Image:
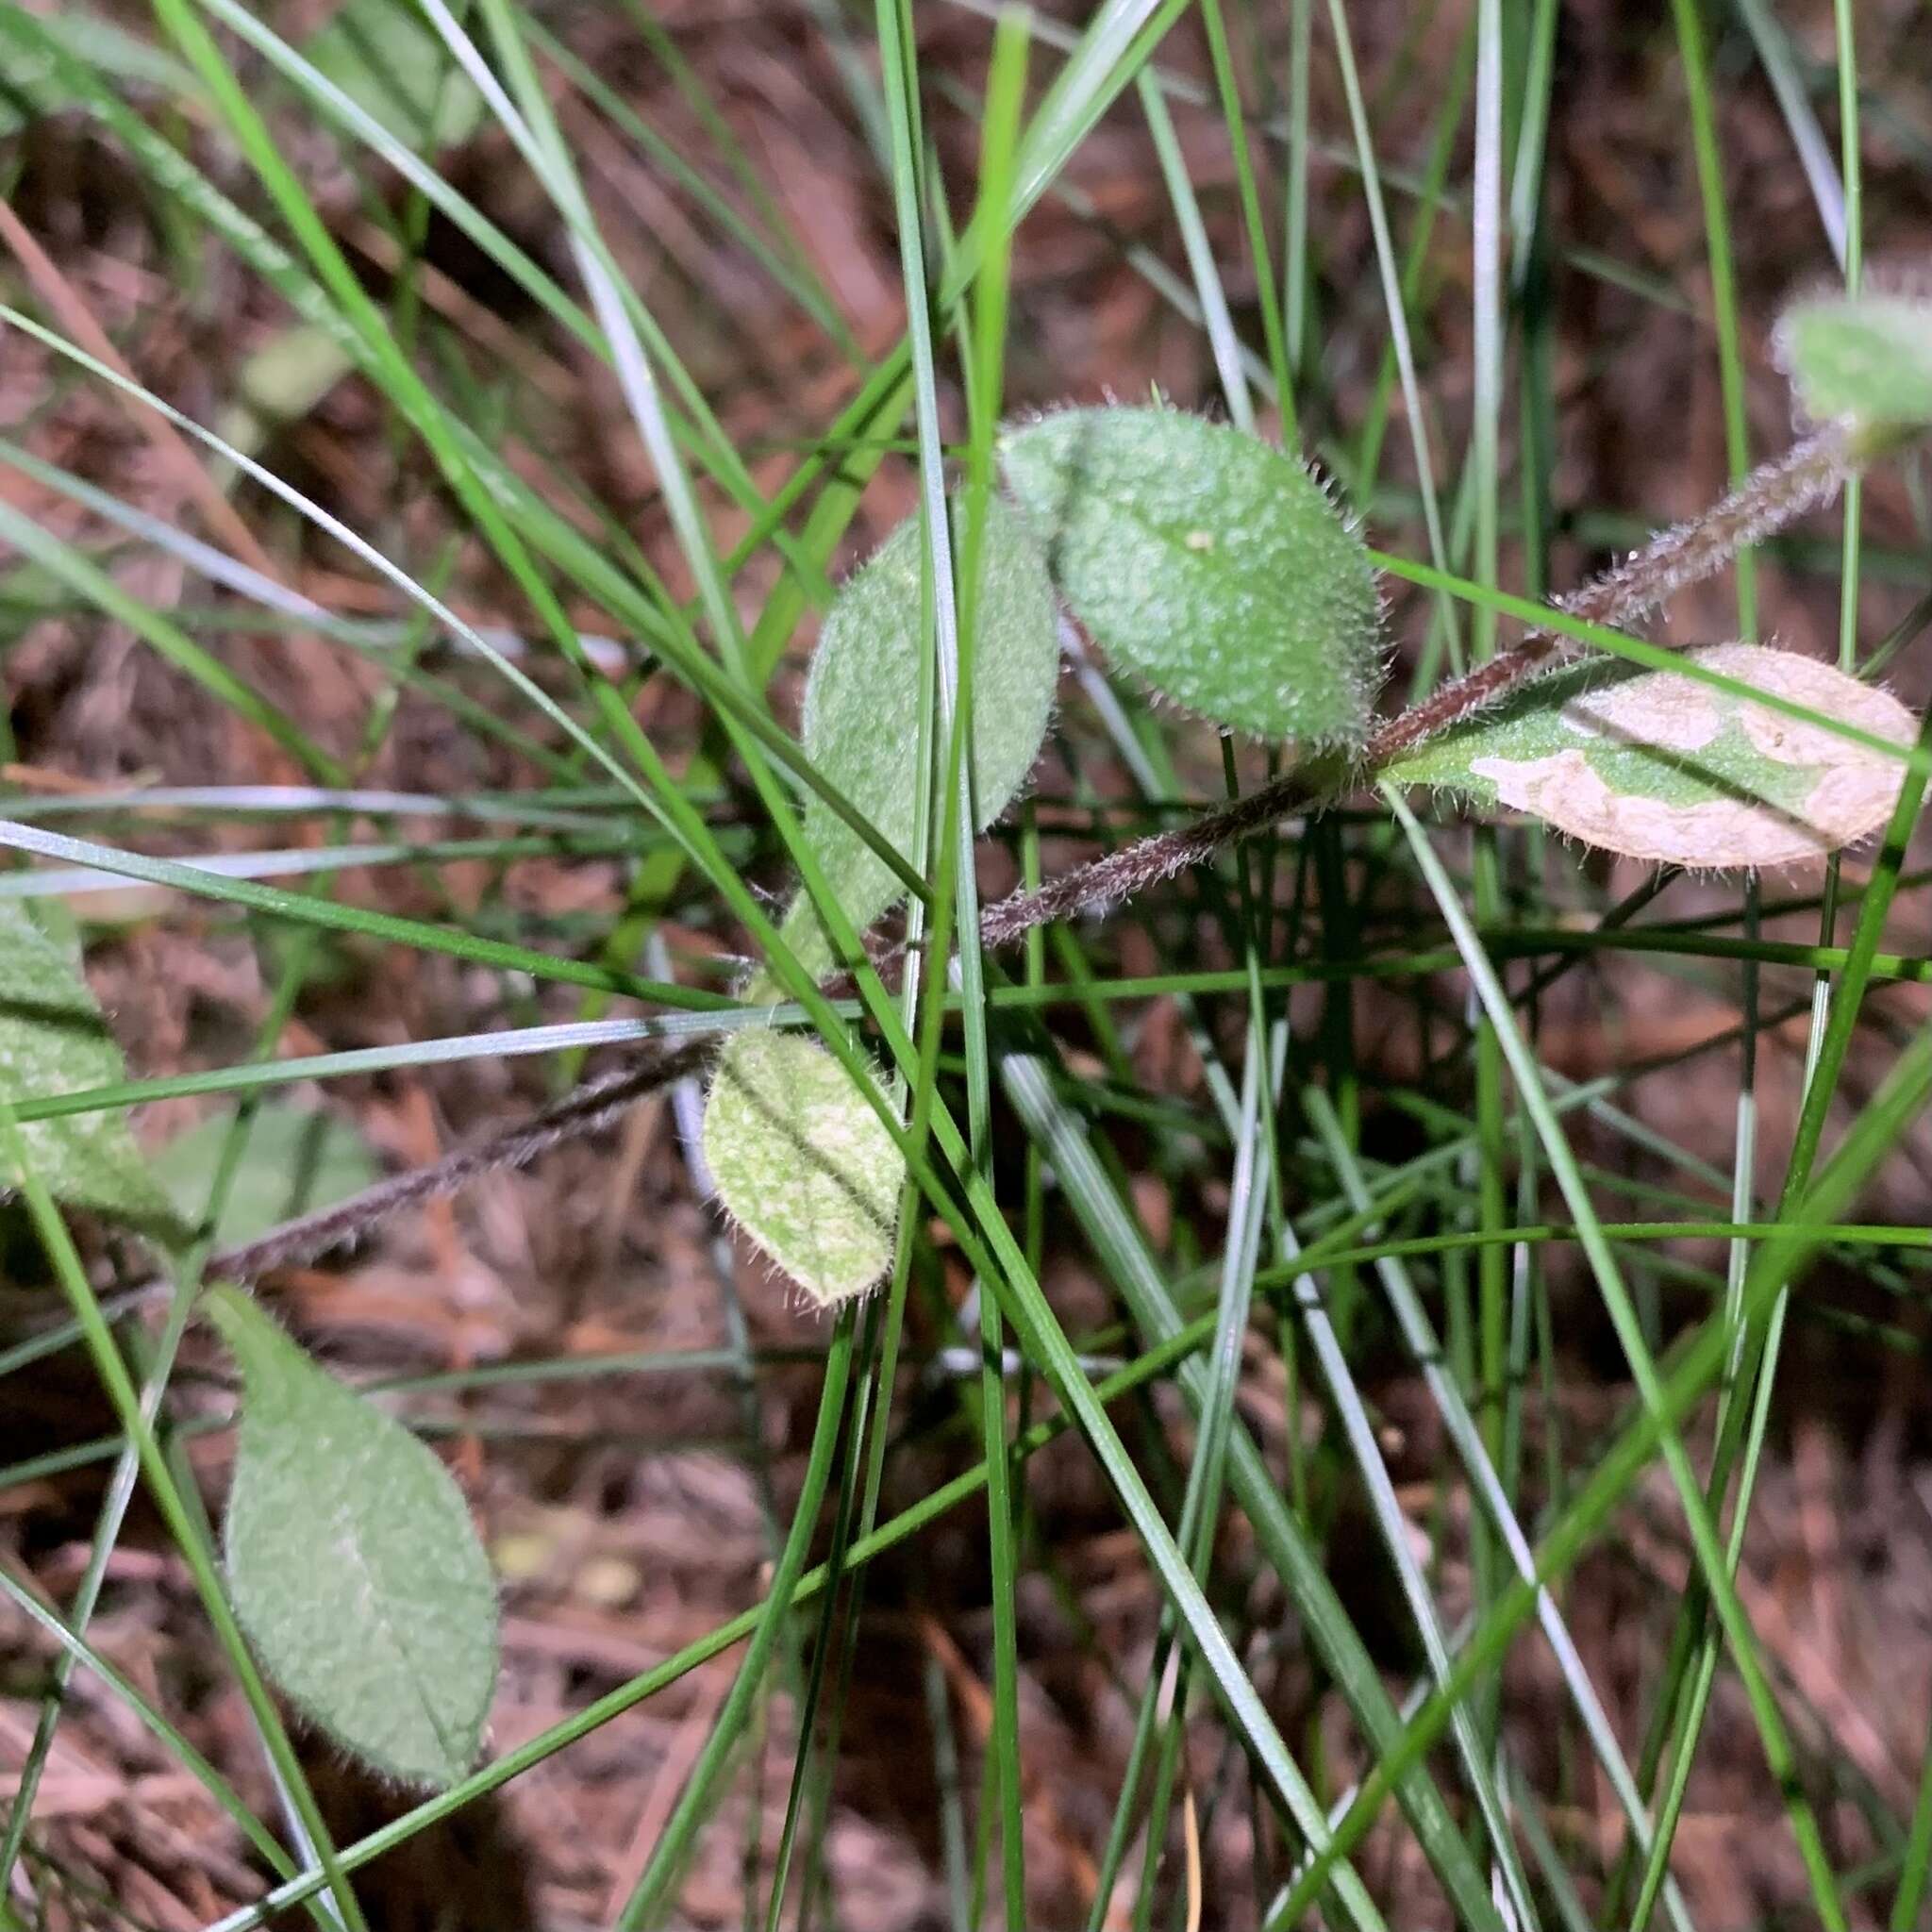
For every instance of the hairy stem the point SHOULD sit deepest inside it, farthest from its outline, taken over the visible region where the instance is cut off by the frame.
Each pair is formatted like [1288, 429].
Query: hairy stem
[596, 1104]
[1807, 476]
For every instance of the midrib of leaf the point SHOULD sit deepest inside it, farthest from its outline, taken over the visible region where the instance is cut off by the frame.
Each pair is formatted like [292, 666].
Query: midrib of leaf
[351, 1550]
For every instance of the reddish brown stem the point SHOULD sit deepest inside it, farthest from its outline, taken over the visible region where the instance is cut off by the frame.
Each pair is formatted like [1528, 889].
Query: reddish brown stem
[1807, 475]
[596, 1104]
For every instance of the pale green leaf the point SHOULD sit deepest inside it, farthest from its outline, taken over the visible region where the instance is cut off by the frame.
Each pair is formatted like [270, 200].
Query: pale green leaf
[1208, 564]
[393, 65]
[111, 51]
[1867, 356]
[803, 1161]
[354, 1564]
[861, 723]
[295, 1161]
[53, 1039]
[1655, 765]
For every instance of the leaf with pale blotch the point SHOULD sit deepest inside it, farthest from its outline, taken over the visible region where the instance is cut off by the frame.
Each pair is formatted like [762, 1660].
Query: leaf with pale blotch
[1208, 564]
[1655, 765]
[1867, 358]
[355, 1568]
[801, 1159]
[295, 1162]
[53, 1039]
[862, 727]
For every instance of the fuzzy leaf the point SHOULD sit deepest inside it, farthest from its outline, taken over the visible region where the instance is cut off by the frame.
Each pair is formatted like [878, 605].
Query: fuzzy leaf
[1865, 357]
[355, 1567]
[800, 1157]
[295, 1161]
[1654, 765]
[53, 1039]
[860, 721]
[1207, 563]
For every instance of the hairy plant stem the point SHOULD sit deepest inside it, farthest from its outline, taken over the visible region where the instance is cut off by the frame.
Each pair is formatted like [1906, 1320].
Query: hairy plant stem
[1807, 476]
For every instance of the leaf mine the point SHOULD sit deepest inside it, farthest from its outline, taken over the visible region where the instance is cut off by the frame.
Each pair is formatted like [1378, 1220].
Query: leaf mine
[1658, 766]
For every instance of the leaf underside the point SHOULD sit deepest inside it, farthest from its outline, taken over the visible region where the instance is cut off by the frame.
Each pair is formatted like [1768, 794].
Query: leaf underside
[804, 1162]
[354, 1564]
[1655, 765]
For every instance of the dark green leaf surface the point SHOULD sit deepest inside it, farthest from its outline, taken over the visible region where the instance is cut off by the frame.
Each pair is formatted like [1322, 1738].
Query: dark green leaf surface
[1208, 564]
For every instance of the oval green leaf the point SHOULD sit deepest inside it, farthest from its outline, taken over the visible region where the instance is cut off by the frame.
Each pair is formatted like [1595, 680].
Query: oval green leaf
[354, 1564]
[295, 1162]
[1655, 765]
[800, 1159]
[53, 1039]
[1208, 564]
[862, 727]
[1867, 358]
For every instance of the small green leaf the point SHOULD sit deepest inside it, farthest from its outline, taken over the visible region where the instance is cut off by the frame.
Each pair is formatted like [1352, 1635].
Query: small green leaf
[1867, 356]
[798, 1154]
[53, 1039]
[393, 65]
[1654, 765]
[861, 723]
[1207, 563]
[355, 1567]
[802, 1161]
[295, 1161]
